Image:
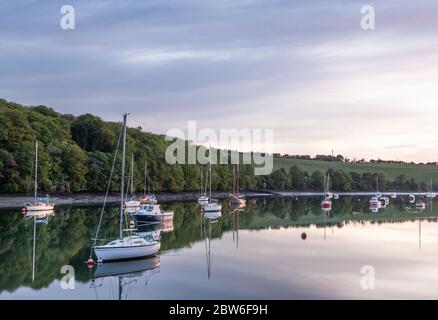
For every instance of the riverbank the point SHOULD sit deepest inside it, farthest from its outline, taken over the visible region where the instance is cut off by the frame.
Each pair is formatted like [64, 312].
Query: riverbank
[18, 201]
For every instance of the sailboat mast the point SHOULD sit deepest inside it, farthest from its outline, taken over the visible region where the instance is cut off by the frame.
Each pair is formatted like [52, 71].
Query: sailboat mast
[209, 155]
[36, 171]
[122, 180]
[202, 180]
[33, 252]
[132, 174]
[238, 179]
[145, 177]
[234, 179]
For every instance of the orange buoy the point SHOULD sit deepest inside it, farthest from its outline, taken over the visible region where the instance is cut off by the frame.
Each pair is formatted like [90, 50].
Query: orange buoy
[304, 236]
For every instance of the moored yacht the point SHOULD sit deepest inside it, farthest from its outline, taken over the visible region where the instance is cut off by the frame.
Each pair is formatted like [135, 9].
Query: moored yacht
[152, 213]
[39, 204]
[211, 206]
[129, 247]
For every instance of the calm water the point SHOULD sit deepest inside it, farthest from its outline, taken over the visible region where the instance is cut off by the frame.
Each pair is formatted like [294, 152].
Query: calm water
[257, 253]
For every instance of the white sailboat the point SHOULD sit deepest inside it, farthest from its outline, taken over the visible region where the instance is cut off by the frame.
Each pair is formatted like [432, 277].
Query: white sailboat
[148, 198]
[133, 202]
[326, 204]
[236, 197]
[39, 204]
[211, 207]
[126, 247]
[203, 198]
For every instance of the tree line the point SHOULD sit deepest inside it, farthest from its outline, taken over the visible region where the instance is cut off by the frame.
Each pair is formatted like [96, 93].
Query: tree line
[76, 155]
[296, 179]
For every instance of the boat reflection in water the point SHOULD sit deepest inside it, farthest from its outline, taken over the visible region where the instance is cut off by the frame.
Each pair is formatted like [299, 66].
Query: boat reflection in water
[208, 219]
[38, 217]
[126, 273]
[154, 230]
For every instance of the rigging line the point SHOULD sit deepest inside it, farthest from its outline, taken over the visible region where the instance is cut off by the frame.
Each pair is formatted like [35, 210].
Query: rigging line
[107, 191]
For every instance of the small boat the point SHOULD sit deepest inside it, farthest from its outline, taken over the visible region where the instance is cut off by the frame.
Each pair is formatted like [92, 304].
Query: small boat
[237, 206]
[393, 195]
[420, 205]
[133, 202]
[129, 247]
[212, 216]
[203, 198]
[236, 197]
[384, 201]
[147, 198]
[211, 206]
[152, 213]
[326, 205]
[39, 204]
[375, 202]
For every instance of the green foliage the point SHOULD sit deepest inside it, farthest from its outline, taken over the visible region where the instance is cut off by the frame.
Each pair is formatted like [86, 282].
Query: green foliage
[76, 155]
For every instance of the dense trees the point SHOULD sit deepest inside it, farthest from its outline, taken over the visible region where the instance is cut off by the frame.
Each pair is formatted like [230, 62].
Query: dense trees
[76, 155]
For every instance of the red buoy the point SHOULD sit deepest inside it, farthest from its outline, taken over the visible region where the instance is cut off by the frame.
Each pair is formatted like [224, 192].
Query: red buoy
[304, 236]
[90, 263]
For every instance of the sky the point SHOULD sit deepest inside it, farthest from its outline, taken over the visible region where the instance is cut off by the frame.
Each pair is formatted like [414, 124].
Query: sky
[305, 69]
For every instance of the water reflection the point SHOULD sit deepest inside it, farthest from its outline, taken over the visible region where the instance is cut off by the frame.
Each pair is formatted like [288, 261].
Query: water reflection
[126, 273]
[238, 242]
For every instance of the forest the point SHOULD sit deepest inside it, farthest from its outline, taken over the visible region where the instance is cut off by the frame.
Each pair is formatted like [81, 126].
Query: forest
[76, 154]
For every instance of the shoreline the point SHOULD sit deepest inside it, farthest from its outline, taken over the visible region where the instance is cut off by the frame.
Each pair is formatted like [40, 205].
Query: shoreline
[18, 201]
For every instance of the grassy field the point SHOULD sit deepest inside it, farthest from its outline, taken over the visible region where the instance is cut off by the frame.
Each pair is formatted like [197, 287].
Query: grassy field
[418, 172]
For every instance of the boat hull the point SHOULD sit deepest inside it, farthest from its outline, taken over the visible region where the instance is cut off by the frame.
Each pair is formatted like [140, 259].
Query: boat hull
[237, 201]
[153, 217]
[127, 252]
[39, 208]
[217, 208]
[132, 204]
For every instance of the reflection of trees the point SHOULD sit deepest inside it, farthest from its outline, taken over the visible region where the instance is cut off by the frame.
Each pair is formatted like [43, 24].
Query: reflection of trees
[65, 239]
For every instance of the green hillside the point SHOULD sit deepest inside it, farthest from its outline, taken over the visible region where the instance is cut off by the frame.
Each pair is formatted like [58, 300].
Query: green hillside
[418, 172]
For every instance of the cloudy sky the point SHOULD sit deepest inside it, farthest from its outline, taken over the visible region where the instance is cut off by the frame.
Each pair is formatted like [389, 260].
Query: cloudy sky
[303, 68]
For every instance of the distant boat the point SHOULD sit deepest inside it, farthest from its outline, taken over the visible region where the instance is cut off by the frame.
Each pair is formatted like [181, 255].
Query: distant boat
[148, 198]
[133, 202]
[236, 197]
[211, 206]
[152, 213]
[420, 205]
[326, 204]
[39, 204]
[203, 198]
[394, 195]
[375, 203]
[129, 247]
